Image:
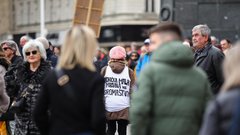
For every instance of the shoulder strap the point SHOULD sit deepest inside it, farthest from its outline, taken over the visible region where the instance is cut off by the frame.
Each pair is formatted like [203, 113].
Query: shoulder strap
[63, 81]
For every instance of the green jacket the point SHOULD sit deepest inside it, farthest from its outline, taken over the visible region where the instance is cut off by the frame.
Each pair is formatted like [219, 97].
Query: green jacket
[172, 94]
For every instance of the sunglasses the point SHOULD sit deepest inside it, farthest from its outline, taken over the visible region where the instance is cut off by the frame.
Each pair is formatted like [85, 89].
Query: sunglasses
[5, 48]
[32, 52]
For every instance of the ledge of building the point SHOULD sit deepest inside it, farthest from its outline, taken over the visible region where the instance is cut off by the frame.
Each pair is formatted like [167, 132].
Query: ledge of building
[111, 44]
[49, 26]
[130, 19]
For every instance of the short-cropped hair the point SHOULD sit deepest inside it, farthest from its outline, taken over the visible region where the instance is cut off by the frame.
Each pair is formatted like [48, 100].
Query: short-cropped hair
[228, 41]
[167, 27]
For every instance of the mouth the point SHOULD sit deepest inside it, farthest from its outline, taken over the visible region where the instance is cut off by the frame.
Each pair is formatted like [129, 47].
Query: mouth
[31, 58]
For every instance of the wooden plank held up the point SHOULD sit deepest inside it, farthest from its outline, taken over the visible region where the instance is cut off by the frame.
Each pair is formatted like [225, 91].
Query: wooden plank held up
[89, 12]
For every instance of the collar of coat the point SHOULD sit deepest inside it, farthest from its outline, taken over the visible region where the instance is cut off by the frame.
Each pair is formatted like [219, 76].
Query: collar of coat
[203, 51]
[24, 74]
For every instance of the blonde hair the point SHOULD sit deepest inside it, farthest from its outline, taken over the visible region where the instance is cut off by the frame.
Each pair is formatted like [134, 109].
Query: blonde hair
[231, 68]
[79, 48]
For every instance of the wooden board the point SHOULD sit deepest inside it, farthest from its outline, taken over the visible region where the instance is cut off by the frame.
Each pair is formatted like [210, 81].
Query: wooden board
[89, 12]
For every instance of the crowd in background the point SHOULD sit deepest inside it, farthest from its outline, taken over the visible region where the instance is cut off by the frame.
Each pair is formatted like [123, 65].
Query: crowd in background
[168, 85]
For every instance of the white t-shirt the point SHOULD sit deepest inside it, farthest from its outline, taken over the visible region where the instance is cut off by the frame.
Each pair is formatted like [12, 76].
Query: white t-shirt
[117, 89]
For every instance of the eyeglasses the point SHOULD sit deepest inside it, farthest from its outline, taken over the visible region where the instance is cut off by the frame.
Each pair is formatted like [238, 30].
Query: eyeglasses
[32, 52]
[5, 48]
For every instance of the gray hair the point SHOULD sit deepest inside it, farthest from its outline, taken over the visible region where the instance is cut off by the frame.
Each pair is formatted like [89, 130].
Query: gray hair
[35, 44]
[25, 37]
[44, 41]
[203, 28]
[13, 45]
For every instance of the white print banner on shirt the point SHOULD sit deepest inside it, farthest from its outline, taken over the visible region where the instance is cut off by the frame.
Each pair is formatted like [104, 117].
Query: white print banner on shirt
[116, 86]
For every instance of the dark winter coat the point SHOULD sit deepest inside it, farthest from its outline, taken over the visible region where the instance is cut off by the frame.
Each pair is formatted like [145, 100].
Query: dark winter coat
[84, 113]
[235, 126]
[16, 60]
[52, 58]
[210, 60]
[24, 76]
[219, 115]
[10, 75]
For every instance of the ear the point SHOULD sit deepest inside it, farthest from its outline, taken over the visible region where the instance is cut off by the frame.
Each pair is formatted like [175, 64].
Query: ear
[206, 38]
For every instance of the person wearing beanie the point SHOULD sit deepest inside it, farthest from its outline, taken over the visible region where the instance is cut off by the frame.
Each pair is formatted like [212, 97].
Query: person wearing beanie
[119, 80]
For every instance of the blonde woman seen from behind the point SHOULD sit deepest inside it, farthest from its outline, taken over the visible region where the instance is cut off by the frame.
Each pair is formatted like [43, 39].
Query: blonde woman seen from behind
[82, 111]
[220, 112]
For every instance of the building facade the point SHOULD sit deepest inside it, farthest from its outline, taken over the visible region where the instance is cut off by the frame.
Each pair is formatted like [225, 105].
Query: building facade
[126, 21]
[120, 19]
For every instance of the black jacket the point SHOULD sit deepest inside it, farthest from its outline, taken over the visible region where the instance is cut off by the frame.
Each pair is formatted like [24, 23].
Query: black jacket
[52, 58]
[220, 113]
[86, 113]
[10, 83]
[210, 60]
[23, 77]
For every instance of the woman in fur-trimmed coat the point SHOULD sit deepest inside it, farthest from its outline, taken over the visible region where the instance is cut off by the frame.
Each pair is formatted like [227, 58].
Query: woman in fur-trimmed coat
[28, 78]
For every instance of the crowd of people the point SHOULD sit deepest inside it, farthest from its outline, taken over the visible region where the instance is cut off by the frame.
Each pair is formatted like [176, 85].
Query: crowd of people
[169, 85]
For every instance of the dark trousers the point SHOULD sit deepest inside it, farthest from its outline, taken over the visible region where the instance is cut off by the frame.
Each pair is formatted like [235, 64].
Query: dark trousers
[122, 127]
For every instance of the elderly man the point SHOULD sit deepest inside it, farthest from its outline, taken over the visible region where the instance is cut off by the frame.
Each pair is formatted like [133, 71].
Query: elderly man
[23, 40]
[208, 57]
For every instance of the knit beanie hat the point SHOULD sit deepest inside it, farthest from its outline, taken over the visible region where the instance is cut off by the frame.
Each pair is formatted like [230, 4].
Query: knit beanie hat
[117, 52]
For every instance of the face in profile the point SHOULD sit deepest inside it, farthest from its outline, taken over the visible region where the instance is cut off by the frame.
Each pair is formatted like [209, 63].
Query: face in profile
[23, 42]
[7, 50]
[198, 39]
[33, 55]
[155, 41]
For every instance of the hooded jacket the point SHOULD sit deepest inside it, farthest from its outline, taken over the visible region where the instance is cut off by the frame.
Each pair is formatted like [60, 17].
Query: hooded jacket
[172, 94]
